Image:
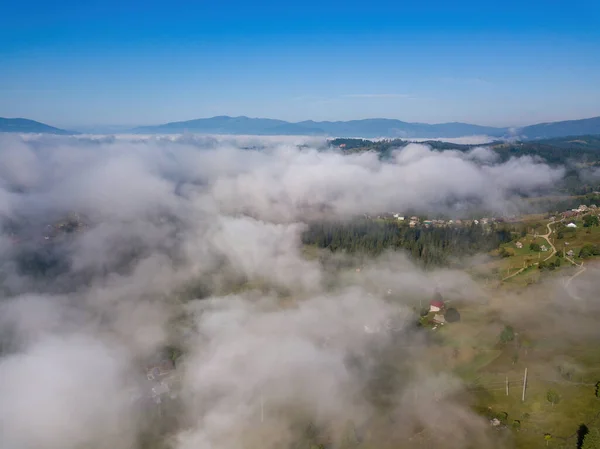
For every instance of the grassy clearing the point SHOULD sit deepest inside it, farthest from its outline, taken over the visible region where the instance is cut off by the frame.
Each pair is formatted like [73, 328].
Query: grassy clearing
[575, 239]
[487, 364]
[519, 258]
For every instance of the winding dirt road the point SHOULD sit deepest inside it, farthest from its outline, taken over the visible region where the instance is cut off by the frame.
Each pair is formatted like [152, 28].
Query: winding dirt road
[545, 237]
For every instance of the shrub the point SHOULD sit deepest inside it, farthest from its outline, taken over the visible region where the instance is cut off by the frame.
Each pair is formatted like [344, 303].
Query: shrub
[507, 334]
[552, 397]
[452, 315]
[589, 250]
[590, 221]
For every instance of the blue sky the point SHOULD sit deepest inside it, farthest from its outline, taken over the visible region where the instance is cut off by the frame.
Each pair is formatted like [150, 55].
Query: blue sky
[507, 63]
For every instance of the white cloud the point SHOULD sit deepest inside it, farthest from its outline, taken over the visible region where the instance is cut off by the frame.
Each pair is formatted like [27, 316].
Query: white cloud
[176, 218]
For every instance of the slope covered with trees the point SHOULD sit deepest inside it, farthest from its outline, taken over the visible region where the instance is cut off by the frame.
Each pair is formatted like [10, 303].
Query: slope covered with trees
[431, 246]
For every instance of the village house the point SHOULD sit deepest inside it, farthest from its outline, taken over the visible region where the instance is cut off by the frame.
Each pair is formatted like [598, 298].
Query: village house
[436, 305]
[571, 225]
[543, 248]
[570, 253]
[519, 245]
[412, 223]
[438, 318]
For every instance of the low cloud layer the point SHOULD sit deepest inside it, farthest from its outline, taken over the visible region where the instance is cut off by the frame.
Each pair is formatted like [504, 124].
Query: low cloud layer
[194, 242]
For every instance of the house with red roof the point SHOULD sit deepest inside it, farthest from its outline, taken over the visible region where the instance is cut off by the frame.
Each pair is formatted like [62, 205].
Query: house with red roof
[437, 303]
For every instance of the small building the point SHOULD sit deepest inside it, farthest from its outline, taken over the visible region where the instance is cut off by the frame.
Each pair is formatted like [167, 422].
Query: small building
[436, 305]
[570, 253]
[571, 225]
[519, 245]
[438, 318]
[543, 248]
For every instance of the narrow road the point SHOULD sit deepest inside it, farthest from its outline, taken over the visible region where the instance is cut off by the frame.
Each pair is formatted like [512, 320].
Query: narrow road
[545, 237]
[515, 273]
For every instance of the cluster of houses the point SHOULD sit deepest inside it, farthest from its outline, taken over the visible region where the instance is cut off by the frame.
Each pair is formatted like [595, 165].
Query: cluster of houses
[582, 209]
[415, 221]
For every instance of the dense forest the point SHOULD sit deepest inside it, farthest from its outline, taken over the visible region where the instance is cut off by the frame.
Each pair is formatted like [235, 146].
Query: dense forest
[431, 246]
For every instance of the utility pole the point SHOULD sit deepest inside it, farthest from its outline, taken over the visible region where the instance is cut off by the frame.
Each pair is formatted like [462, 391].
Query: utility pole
[506, 385]
[524, 385]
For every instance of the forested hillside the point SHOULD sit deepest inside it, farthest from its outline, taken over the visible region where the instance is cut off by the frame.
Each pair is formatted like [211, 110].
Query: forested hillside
[431, 246]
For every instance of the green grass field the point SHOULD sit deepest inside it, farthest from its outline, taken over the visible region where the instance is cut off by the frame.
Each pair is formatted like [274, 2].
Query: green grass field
[488, 364]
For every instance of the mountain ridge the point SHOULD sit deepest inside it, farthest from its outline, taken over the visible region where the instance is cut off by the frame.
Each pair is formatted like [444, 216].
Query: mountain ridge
[364, 128]
[23, 125]
[371, 128]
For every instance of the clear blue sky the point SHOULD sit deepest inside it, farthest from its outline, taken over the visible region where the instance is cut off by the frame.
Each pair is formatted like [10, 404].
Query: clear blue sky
[84, 62]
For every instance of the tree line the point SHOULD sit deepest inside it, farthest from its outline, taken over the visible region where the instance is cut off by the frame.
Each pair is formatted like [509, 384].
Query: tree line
[431, 246]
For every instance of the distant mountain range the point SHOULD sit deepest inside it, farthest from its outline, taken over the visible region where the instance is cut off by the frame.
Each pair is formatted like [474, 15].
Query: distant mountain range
[367, 128]
[370, 128]
[561, 129]
[23, 125]
[376, 127]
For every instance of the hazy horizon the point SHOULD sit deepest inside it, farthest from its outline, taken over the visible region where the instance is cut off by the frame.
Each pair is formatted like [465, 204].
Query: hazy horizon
[109, 128]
